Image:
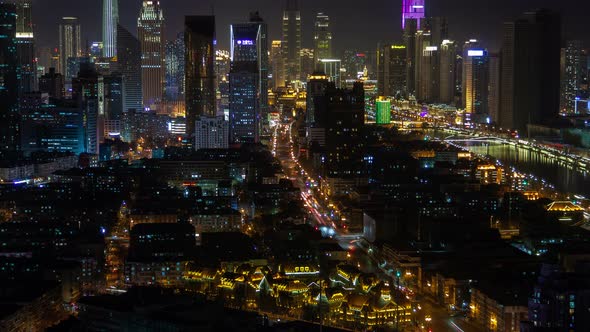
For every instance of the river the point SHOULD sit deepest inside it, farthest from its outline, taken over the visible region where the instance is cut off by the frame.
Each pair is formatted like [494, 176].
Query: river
[564, 177]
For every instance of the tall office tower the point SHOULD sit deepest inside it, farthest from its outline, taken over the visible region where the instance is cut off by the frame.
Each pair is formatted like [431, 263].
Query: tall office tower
[129, 65]
[410, 30]
[530, 69]
[199, 36]
[316, 90]
[263, 67]
[25, 47]
[150, 32]
[174, 90]
[277, 64]
[574, 76]
[9, 115]
[308, 66]
[494, 87]
[427, 69]
[110, 20]
[70, 44]
[448, 55]
[211, 133]
[475, 94]
[322, 38]
[88, 90]
[412, 9]
[249, 56]
[291, 41]
[392, 70]
[345, 117]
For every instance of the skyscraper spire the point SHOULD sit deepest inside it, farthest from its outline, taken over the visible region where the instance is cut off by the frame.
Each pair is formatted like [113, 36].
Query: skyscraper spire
[110, 19]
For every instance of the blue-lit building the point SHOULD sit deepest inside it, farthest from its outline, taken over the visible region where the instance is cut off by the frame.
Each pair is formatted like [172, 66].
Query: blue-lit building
[50, 127]
[9, 117]
[248, 80]
[129, 65]
[174, 89]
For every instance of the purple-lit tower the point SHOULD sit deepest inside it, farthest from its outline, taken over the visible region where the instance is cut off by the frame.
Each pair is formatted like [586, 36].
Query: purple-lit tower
[412, 9]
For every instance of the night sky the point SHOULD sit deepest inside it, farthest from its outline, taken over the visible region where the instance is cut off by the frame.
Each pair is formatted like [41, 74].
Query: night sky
[358, 24]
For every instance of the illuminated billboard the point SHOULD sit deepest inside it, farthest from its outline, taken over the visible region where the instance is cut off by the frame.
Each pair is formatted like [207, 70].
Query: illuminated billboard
[475, 53]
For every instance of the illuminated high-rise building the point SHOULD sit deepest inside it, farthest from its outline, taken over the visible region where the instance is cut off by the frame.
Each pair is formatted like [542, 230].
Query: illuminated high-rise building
[129, 65]
[25, 44]
[412, 9]
[383, 111]
[248, 80]
[150, 32]
[448, 55]
[199, 39]
[494, 87]
[322, 38]
[277, 64]
[110, 20]
[174, 90]
[410, 30]
[574, 76]
[392, 70]
[531, 50]
[291, 40]
[9, 115]
[70, 44]
[475, 82]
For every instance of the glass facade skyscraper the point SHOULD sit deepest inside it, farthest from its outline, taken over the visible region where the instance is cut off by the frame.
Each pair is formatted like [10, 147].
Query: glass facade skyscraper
[322, 38]
[199, 38]
[110, 20]
[291, 41]
[129, 64]
[70, 44]
[150, 31]
[9, 118]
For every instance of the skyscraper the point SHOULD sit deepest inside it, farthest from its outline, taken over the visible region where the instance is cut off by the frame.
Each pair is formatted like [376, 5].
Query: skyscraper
[70, 44]
[129, 65]
[412, 9]
[174, 89]
[392, 70]
[494, 87]
[199, 37]
[345, 117]
[9, 117]
[291, 41]
[410, 30]
[322, 38]
[249, 56]
[530, 69]
[475, 81]
[110, 20]
[25, 44]
[448, 54]
[150, 32]
[574, 75]
[277, 64]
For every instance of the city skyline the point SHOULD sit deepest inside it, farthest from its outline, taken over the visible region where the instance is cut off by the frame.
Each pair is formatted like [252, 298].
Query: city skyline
[483, 19]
